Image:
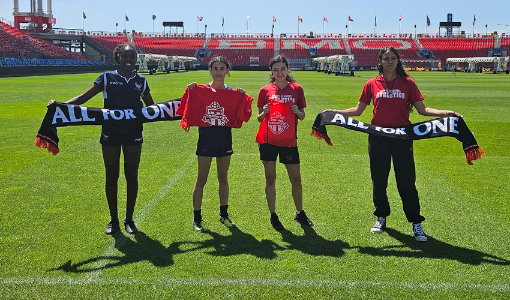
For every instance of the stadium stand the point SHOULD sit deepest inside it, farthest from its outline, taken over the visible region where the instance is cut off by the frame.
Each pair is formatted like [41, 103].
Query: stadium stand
[169, 46]
[445, 47]
[109, 42]
[366, 50]
[156, 45]
[14, 40]
[103, 53]
[9, 46]
[19, 48]
[505, 45]
[300, 51]
[317, 43]
[241, 51]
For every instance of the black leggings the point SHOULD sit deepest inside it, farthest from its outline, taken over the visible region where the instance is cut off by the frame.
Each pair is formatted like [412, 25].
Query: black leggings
[381, 151]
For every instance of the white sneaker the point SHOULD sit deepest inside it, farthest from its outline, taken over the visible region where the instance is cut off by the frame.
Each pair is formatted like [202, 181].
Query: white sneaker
[419, 235]
[379, 225]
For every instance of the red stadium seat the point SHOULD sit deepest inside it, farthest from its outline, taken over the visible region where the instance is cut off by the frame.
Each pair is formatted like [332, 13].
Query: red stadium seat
[15, 40]
[452, 47]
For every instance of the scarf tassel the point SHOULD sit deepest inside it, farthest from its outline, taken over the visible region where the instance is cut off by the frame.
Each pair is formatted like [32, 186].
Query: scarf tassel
[473, 153]
[318, 134]
[41, 142]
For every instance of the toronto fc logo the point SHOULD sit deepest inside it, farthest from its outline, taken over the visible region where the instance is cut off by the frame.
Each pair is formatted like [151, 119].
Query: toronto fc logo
[277, 123]
[215, 115]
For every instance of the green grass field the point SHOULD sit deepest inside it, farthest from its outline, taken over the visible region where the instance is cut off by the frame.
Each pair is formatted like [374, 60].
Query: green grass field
[53, 209]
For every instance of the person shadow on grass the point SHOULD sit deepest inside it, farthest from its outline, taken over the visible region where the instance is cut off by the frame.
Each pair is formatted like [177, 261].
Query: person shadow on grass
[237, 243]
[314, 244]
[142, 248]
[433, 248]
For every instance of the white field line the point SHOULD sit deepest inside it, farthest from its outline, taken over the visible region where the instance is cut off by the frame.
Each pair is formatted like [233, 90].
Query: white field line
[497, 288]
[93, 277]
[140, 217]
[366, 155]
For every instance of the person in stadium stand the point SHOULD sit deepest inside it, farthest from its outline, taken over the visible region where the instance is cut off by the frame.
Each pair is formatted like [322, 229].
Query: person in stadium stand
[393, 94]
[214, 141]
[281, 104]
[122, 89]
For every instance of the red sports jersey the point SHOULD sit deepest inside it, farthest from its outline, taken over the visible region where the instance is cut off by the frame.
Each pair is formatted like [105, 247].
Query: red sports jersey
[279, 127]
[390, 99]
[204, 107]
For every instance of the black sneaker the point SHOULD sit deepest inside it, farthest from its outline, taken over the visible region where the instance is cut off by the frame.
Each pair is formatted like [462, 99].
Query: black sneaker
[227, 222]
[303, 219]
[275, 221]
[112, 227]
[130, 227]
[199, 226]
[379, 225]
[419, 235]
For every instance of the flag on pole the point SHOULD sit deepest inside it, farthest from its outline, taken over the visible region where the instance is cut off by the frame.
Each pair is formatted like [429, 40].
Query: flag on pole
[84, 16]
[299, 19]
[350, 19]
[127, 19]
[324, 18]
[153, 17]
[222, 20]
[428, 21]
[400, 18]
[375, 21]
[274, 19]
[199, 17]
[247, 18]
[474, 19]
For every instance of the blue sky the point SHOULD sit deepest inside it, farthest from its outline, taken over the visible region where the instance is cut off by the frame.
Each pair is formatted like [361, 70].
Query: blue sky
[102, 15]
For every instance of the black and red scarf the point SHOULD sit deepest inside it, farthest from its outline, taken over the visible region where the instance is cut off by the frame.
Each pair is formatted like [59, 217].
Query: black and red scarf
[73, 115]
[443, 126]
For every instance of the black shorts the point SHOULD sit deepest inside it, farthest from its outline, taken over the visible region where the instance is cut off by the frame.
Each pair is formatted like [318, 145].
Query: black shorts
[214, 141]
[215, 152]
[110, 139]
[288, 155]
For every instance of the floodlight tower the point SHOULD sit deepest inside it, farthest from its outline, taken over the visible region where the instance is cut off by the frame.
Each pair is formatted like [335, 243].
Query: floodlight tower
[36, 16]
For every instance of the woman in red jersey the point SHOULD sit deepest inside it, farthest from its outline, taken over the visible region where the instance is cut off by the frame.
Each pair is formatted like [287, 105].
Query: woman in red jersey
[393, 94]
[281, 104]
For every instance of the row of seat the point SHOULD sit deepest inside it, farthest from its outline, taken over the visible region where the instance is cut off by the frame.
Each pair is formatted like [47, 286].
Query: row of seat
[444, 54]
[16, 62]
[177, 43]
[457, 44]
[242, 57]
[14, 40]
[330, 52]
[239, 50]
[295, 53]
[505, 41]
[241, 44]
[307, 44]
[354, 43]
[399, 44]
[8, 45]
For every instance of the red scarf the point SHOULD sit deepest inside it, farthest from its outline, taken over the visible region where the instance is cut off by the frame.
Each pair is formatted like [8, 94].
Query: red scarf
[279, 127]
[203, 106]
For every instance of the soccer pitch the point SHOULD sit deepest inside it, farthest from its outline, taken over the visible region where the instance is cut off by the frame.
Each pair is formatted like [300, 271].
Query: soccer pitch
[54, 210]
